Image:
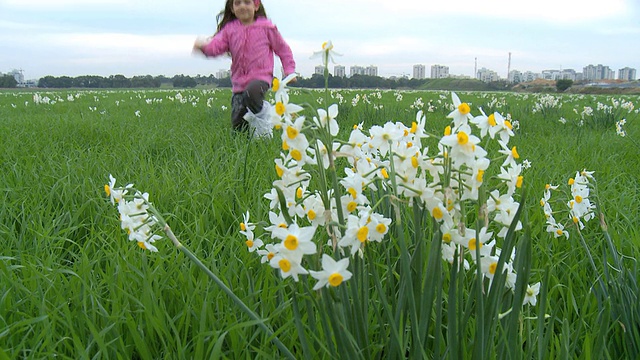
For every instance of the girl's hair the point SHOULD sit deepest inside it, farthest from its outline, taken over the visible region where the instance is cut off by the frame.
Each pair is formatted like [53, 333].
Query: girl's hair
[227, 14]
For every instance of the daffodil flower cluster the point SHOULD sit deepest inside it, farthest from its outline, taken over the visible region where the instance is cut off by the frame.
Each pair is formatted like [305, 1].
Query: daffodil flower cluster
[391, 158]
[579, 208]
[136, 214]
[620, 131]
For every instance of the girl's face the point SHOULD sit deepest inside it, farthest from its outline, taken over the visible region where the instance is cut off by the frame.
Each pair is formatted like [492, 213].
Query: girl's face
[245, 10]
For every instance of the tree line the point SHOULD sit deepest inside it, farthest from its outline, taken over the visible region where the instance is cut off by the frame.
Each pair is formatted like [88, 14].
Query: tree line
[186, 81]
[122, 82]
[315, 81]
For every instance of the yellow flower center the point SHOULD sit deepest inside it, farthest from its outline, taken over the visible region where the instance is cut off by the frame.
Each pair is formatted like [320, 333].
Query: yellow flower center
[381, 228]
[283, 225]
[335, 279]
[446, 238]
[291, 242]
[437, 213]
[547, 186]
[447, 131]
[249, 243]
[507, 123]
[473, 243]
[530, 292]
[107, 189]
[311, 215]
[353, 192]
[492, 268]
[384, 172]
[542, 202]
[351, 206]
[464, 108]
[480, 175]
[575, 219]
[276, 84]
[414, 162]
[492, 120]
[519, 181]
[414, 127]
[463, 138]
[279, 171]
[142, 245]
[514, 152]
[571, 181]
[285, 265]
[243, 227]
[578, 199]
[559, 232]
[285, 146]
[296, 154]
[280, 108]
[362, 233]
[292, 132]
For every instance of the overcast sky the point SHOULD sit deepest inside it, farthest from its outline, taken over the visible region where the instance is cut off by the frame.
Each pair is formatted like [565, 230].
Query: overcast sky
[155, 37]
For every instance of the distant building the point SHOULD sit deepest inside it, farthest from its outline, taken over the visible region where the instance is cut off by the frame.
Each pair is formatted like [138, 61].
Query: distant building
[356, 70]
[516, 76]
[598, 72]
[339, 71]
[370, 70]
[17, 74]
[319, 70]
[486, 75]
[419, 71]
[439, 71]
[222, 74]
[569, 74]
[627, 73]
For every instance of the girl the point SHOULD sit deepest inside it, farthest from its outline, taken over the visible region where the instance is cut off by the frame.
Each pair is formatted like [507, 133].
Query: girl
[245, 32]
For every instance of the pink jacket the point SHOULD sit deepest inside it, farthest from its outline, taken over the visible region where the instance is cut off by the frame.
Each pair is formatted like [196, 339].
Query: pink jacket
[252, 48]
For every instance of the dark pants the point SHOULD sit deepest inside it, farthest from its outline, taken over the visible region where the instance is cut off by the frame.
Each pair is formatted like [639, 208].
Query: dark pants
[250, 99]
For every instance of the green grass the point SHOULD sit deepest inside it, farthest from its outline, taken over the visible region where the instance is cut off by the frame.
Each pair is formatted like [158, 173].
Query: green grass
[73, 286]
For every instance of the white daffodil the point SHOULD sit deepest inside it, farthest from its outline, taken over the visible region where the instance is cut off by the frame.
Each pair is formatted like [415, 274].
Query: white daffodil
[333, 272]
[462, 112]
[327, 53]
[530, 296]
[328, 118]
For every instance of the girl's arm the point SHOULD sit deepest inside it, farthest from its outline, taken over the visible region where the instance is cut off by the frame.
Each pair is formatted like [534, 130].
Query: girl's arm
[282, 49]
[216, 46]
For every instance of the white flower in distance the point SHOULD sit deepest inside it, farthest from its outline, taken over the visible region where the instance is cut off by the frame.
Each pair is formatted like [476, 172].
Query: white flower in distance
[333, 272]
[327, 53]
[530, 296]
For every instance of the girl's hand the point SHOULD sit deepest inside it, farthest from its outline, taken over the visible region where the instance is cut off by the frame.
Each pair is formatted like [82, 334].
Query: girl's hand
[198, 45]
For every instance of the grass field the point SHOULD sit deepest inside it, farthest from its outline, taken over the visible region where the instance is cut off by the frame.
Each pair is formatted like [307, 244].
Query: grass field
[73, 286]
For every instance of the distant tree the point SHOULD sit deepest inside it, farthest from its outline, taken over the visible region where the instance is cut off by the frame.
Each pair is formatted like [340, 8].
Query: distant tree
[8, 81]
[182, 81]
[224, 82]
[563, 84]
[146, 81]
